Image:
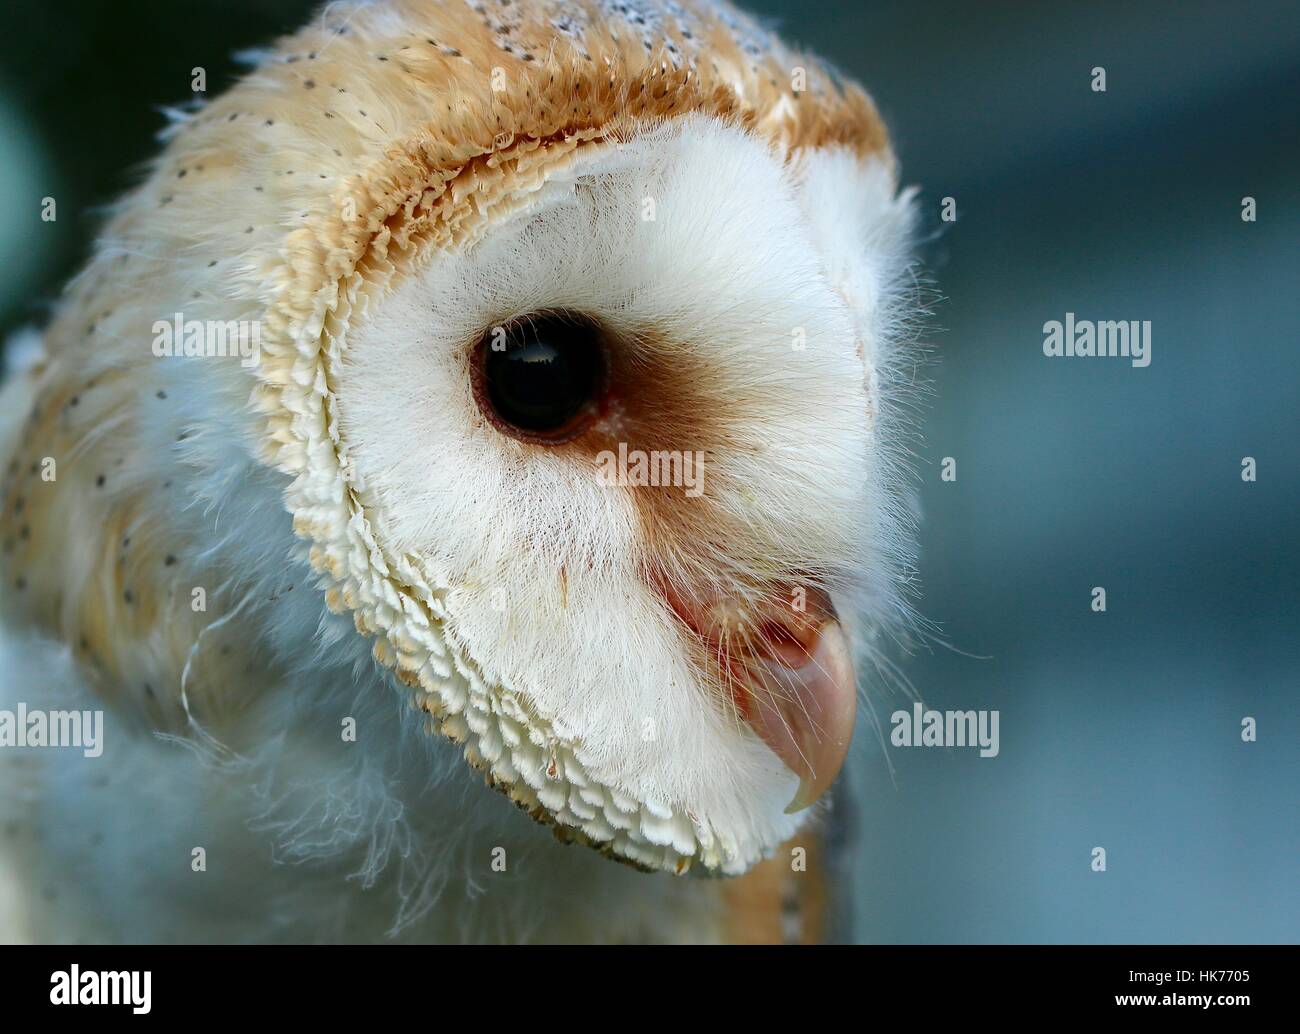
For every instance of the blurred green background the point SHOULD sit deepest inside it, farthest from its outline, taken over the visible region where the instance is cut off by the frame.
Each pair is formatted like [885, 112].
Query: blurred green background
[1119, 730]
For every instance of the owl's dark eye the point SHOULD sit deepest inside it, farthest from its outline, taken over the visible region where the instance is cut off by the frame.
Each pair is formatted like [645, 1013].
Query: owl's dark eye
[541, 377]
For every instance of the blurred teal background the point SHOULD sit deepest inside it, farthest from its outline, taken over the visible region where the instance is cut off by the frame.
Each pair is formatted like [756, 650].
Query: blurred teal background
[1119, 730]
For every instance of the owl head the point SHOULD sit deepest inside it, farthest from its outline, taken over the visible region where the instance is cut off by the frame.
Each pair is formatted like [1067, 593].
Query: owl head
[577, 355]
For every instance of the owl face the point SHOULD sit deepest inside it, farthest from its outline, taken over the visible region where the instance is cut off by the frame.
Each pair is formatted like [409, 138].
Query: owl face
[628, 426]
[576, 367]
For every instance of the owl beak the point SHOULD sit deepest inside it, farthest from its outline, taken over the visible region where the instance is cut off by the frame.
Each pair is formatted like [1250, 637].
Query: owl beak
[791, 677]
[803, 705]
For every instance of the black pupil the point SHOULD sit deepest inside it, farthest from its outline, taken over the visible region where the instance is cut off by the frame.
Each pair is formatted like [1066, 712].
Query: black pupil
[543, 372]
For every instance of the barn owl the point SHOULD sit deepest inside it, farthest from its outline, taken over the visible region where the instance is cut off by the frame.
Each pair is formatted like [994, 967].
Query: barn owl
[479, 404]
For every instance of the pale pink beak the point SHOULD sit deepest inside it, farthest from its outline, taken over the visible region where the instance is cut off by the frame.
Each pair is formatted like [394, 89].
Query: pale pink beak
[792, 680]
[805, 711]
